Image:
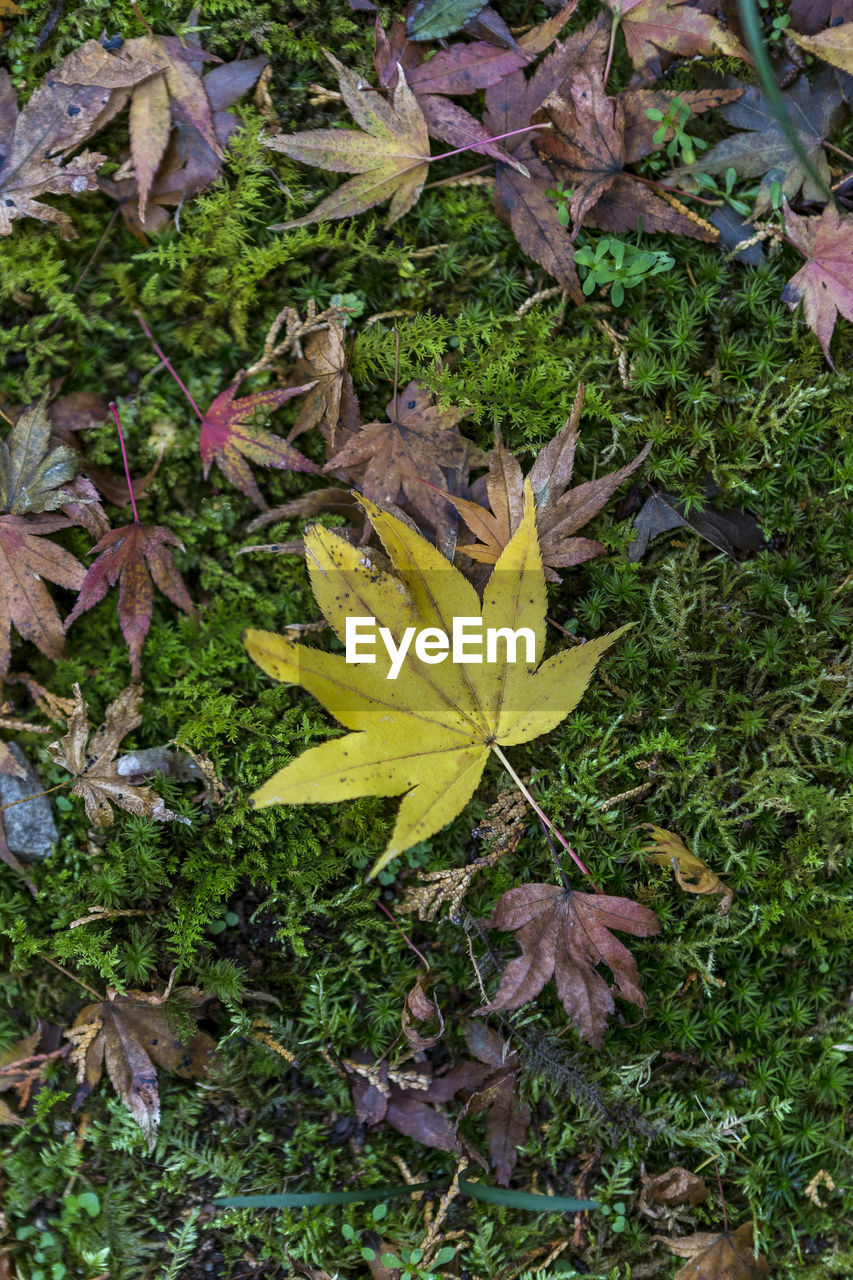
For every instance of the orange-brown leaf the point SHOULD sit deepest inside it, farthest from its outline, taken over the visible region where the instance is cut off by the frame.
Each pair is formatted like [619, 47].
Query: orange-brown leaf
[727, 1256]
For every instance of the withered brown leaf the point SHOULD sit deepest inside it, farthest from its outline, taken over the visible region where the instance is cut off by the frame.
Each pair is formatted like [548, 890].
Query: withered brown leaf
[677, 1186]
[560, 510]
[131, 1036]
[508, 1115]
[564, 934]
[389, 461]
[727, 1256]
[92, 760]
[667, 849]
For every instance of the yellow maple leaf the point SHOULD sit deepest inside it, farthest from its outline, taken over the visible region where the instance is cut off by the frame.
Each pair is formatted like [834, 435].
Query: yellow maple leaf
[427, 733]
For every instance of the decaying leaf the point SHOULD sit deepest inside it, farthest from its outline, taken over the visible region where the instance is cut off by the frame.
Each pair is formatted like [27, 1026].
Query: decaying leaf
[677, 1186]
[564, 934]
[12, 1074]
[132, 556]
[810, 16]
[229, 439]
[429, 731]
[667, 849]
[93, 762]
[31, 473]
[508, 1115]
[131, 1036]
[390, 461]
[671, 26]
[834, 45]
[560, 510]
[727, 529]
[825, 284]
[419, 1007]
[764, 149]
[727, 1256]
[408, 1100]
[27, 559]
[390, 151]
[325, 379]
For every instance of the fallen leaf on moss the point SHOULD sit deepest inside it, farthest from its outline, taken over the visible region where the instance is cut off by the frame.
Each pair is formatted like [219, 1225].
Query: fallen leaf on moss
[564, 934]
[727, 1256]
[834, 45]
[132, 1037]
[132, 556]
[389, 153]
[229, 439]
[429, 732]
[10, 1077]
[676, 1186]
[560, 510]
[651, 27]
[825, 284]
[668, 850]
[92, 760]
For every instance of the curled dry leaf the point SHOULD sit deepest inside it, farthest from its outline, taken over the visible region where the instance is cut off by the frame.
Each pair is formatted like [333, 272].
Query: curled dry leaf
[93, 762]
[565, 934]
[419, 1007]
[389, 152]
[677, 1186]
[668, 850]
[13, 1076]
[652, 27]
[132, 1037]
[427, 733]
[727, 1256]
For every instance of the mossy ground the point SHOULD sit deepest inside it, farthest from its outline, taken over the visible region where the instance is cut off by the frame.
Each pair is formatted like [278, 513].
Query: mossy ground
[736, 682]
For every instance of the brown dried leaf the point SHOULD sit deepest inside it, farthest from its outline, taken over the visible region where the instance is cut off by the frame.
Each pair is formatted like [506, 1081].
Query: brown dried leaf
[668, 850]
[728, 1256]
[560, 510]
[676, 1186]
[30, 472]
[27, 558]
[390, 461]
[420, 1008]
[564, 934]
[671, 26]
[132, 1037]
[93, 761]
[325, 365]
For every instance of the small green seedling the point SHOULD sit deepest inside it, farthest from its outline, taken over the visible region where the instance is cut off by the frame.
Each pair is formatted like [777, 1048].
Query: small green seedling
[407, 1261]
[620, 265]
[675, 118]
[227, 920]
[562, 195]
[45, 1245]
[616, 1212]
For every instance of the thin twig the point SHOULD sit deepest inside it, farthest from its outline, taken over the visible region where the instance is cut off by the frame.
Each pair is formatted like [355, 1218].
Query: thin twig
[114, 412]
[74, 978]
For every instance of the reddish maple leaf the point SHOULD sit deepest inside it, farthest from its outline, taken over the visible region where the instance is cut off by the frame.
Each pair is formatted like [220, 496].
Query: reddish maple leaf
[462, 68]
[132, 556]
[671, 26]
[26, 561]
[229, 440]
[564, 934]
[825, 284]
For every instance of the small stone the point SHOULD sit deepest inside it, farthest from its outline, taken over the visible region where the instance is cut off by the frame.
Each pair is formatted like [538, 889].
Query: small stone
[30, 828]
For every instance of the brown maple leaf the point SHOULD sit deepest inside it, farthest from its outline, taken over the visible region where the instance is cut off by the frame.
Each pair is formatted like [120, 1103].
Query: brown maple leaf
[560, 510]
[834, 45]
[672, 26]
[389, 153]
[132, 556]
[461, 68]
[825, 284]
[521, 202]
[132, 1037]
[389, 461]
[727, 1256]
[324, 369]
[92, 760]
[592, 140]
[677, 1186]
[564, 934]
[229, 439]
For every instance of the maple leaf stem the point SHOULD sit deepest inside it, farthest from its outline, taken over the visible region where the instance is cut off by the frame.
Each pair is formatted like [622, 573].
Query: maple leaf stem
[74, 978]
[36, 795]
[135, 9]
[838, 151]
[114, 412]
[540, 813]
[472, 146]
[396, 333]
[457, 177]
[722, 1197]
[140, 317]
[404, 935]
[614, 27]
